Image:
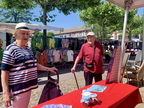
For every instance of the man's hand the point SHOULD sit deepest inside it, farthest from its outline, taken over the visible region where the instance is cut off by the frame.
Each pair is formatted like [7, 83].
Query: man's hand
[73, 70]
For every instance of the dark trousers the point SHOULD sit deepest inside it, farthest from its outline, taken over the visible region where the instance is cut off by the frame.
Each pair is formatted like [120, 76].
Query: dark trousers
[88, 76]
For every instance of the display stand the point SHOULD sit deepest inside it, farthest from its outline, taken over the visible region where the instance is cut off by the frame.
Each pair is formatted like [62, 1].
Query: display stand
[113, 73]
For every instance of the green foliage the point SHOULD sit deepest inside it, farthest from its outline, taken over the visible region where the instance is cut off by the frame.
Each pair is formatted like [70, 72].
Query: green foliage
[64, 6]
[137, 31]
[14, 16]
[108, 16]
[38, 34]
[50, 34]
[41, 34]
[104, 15]
[17, 4]
[134, 26]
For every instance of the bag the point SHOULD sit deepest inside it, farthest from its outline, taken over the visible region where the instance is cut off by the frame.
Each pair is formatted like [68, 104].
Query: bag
[89, 65]
[51, 89]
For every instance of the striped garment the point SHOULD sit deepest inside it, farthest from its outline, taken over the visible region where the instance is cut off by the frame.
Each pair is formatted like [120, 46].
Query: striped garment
[22, 66]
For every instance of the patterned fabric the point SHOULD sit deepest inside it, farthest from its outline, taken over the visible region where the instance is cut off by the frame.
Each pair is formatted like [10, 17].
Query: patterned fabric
[65, 43]
[22, 66]
[1, 53]
[42, 58]
[51, 43]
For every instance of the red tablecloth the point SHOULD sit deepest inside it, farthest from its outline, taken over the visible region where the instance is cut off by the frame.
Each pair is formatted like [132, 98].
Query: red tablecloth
[116, 95]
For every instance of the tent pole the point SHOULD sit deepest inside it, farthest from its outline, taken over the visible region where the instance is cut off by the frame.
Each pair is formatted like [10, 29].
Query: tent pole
[122, 42]
[143, 37]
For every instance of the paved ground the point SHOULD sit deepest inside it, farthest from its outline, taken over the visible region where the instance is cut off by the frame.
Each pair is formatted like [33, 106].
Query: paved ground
[67, 82]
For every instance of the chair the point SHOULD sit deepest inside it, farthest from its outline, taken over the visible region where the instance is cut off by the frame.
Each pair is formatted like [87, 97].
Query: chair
[136, 75]
[124, 64]
[136, 63]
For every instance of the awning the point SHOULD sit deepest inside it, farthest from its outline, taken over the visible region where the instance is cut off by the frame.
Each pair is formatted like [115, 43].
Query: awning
[7, 27]
[123, 3]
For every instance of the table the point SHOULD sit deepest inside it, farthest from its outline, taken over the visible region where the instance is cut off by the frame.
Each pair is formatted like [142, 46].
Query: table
[116, 95]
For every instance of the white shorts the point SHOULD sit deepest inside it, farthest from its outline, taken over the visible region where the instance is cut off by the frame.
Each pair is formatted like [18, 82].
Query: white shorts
[21, 100]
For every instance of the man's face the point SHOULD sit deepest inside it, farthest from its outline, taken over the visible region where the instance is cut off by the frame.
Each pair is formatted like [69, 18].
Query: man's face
[22, 36]
[91, 39]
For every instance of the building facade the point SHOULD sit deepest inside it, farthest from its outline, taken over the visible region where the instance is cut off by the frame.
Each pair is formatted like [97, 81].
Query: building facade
[79, 31]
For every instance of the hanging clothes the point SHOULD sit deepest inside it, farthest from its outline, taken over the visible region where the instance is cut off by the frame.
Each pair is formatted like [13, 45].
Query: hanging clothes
[56, 56]
[42, 58]
[51, 43]
[70, 54]
[65, 43]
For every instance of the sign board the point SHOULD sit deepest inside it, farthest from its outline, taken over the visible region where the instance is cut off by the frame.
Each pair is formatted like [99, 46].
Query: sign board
[113, 69]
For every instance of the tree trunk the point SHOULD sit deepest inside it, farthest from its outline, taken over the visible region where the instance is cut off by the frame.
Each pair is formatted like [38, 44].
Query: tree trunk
[103, 31]
[129, 35]
[45, 23]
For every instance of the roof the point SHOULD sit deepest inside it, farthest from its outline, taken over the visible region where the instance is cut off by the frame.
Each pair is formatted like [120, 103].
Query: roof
[73, 29]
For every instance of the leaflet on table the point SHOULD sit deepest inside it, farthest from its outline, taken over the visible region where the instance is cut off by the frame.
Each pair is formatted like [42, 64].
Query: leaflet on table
[96, 88]
[57, 106]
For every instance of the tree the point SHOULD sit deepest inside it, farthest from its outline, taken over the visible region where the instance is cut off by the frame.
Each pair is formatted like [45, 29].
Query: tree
[14, 16]
[134, 26]
[105, 15]
[50, 34]
[40, 34]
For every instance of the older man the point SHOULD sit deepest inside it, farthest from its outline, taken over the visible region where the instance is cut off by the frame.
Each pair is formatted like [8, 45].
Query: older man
[92, 52]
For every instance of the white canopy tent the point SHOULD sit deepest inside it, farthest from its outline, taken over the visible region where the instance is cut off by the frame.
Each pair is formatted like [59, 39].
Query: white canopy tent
[127, 5]
[7, 27]
[133, 4]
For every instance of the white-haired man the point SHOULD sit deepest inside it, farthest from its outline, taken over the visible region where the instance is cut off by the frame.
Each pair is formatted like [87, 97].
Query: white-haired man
[92, 52]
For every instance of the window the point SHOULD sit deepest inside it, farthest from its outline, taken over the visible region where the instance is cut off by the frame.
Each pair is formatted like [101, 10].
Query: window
[75, 34]
[80, 34]
[86, 32]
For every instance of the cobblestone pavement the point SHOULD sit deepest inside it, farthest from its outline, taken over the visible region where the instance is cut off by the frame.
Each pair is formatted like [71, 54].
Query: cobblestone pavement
[67, 83]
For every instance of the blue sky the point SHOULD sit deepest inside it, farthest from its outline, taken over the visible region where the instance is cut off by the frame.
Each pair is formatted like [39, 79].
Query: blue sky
[69, 21]
[62, 20]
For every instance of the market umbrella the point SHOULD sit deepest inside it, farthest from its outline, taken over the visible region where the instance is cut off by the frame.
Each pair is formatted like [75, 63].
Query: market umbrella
[127, 5]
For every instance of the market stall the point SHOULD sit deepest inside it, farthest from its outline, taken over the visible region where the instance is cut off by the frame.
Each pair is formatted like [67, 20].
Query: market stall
[116, 95]
[127, 5]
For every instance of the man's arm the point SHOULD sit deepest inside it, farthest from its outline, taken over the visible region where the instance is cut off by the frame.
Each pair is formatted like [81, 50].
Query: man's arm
[75, 63]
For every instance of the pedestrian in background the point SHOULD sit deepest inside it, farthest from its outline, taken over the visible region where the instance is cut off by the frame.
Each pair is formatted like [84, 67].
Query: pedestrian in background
[19, 69]
[92, 52]
[13, 38]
